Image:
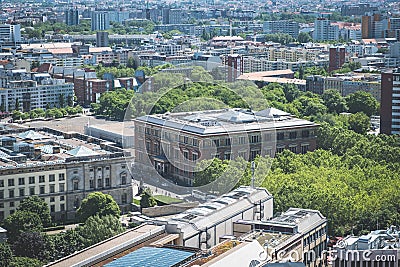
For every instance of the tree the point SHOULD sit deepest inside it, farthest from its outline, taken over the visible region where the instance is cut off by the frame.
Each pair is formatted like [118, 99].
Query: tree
[38, 206]
[24, 261]
[70, 101]
[31, 245]
[6, 255]
[61, 100]
[359, 122]
[98, 203]
[361, 101]
[17, 104]
[147, 200]
[334, 101]
[207, 171]
[21, 222]
[304, 37]
[97, 229]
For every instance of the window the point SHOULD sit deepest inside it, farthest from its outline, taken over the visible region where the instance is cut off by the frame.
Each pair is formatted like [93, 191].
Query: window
[31, 180]
[123, 179]
[10, 182]
[254, 139]
[254, 153]
[1, 194]
[62, 198]
[304, 148]
[99, 183]
[91, 183]
[124, 198]
[242, 140]
[21, 181]
[305, 133]
[52, 208]
[11, 193]
[1, 215]
[61, 187]
[186, 154]
[12, 204]
[227, 141]
[52, 188]
[22, 192]
[52, 199]
[108, 182]
[1, 205]
[76, 185]
[268, 137]
[293, 148]
[195, 142]
[41, 179]
[195, 156]
[42, 190]
[52, 177]
[227, 156]
[1, 183]
[61, 177]
[280, 149]
[216, 142]
[185, 139]
[280, 136]
[91, 169]
[292, 135]
[31, 191]
[62, 207]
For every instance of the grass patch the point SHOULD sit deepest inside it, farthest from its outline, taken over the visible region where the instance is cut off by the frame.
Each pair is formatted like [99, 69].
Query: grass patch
[166, 200]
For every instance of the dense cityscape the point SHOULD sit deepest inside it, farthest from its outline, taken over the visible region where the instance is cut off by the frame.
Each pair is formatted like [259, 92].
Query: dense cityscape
[212, 133]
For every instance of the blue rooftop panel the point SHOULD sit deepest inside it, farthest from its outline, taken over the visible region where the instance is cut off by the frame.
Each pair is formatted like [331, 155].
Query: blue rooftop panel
[150, 257]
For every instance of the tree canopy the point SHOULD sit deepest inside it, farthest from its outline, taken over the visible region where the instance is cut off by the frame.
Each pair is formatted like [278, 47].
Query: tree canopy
[98, 203]
[38, 206]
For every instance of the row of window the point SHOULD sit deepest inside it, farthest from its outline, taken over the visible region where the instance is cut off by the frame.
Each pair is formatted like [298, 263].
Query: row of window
[32, 191]
[32, 179]
[12, 204]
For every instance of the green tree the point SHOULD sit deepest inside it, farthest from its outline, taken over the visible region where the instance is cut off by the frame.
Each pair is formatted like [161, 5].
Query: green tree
[24, 261]
[207, 171]
[334, 101]
[31, 245]
[17, 107]
[70, 100]
[362, 102]
[304, 37]
[98, 203]
[38, 206]
[61, 100]
[21, 222]
[6, 255]
[359, 122]
[147, 200]
[97, 229]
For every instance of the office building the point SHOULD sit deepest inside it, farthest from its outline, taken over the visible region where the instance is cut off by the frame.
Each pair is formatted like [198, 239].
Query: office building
[10, 33]
[226, 134]
[373, 26]
[62, 168]
[337, 57]
[390, 102]
[102, 39]
[72, 17]
[281, 26]
[100, 20]
[324, 31]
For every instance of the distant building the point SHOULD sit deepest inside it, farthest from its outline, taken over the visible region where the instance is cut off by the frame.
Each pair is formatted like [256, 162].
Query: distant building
[337, 57]
[235, 66]
[102, 39]
[72, 17]
[325, 31]
[373, 26]
[390, 102]
[357, 9]
[100, 20]
[281, 26]
[10, 33]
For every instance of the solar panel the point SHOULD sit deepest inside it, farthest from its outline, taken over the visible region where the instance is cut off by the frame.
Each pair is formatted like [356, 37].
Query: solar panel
[149, 257]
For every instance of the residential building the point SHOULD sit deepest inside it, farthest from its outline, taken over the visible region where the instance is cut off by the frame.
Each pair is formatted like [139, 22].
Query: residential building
[235, 66]
[102, 39]
[10, 33]
[357, 9]
[281, 26]
[390, 102]
[173, 143]
[62, 168]
[32, 90]
[337, 57]
[325, 31]
[72, 17]
[100, 20]
[373, 26]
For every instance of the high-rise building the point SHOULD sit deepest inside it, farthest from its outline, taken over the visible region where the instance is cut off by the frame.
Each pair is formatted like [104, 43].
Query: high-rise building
[373, 26]
[101, 39]
[10, 33]
[235, 66]
[324, 31]
[100, 20]
[282, 26]
[337, 57]
[72, 17]
[390, 102]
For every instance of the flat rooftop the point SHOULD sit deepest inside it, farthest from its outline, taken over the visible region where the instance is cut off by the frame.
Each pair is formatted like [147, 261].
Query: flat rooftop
[225, 120]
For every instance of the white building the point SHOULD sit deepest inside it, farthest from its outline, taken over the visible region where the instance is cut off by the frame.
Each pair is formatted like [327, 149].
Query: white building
[10, 33]
[324, 31]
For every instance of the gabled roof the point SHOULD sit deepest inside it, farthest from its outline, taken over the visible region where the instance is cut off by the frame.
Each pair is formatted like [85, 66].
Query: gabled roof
[81, 151]
[31, 135]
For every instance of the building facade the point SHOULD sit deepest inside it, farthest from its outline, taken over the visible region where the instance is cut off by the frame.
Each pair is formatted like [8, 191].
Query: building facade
[72, 17]
[324, 31]
[390, 102]
[281, 26]
[100, 20]
[62, 168]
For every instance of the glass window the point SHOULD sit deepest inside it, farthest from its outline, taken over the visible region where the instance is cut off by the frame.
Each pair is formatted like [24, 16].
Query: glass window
[52, 199]
[10, 182]
[31, 180]
[52, 177]
[108, 182]
[91, 183]
[22, 192]
[52, 188]
[31, 191]
[61, 177]
[52, 208]
[62, 207]
[293, 135]
[41, 179]
[76, 185]
[11, 193]
[1, 194]
[61, 187]
[21, 181]
[62, 198]
[42, 190]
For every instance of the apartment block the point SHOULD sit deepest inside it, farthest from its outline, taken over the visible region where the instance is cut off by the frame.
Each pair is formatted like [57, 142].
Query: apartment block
[390, 102]
[281, 26]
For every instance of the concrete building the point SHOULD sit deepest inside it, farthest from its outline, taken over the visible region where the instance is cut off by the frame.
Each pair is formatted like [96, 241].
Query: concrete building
[72, 17]
[100, 20]
[281, 26]
[337, 57]
[10, 33]
[102, 39]
[390, 102]
[325, 31]
[297, 234]
[185, 138]
[63, 168]
[32, 90]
